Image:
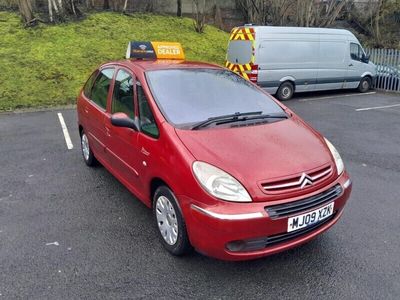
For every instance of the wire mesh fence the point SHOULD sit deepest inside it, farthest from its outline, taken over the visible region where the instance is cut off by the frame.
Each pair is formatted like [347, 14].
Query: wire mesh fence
[387, 63]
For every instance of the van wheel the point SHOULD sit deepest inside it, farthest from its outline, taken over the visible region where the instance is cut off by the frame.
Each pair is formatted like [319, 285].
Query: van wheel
[170, 223]
[87, 153]
[285, 91]
[365, 85]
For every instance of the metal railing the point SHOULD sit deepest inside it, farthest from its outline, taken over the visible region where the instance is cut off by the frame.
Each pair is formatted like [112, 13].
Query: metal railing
[387, 63]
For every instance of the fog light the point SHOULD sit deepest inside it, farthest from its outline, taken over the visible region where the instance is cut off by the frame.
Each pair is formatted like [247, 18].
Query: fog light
[247, 245]
[236, 246]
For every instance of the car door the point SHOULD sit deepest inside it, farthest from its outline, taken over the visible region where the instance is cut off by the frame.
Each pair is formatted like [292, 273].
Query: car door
[121, 146]
[151, 151]
[95, 111]
[355, 66]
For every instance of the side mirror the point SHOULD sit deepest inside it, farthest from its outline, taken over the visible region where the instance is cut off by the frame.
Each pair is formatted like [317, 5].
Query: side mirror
[122, 120]
[365, 58]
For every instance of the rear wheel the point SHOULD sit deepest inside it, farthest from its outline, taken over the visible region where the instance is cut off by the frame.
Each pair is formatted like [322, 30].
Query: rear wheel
[285, 91]
[365, 85]
[170, 223]
[87, 153]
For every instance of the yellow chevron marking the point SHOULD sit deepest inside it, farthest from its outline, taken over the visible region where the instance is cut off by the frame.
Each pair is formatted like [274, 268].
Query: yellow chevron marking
[244, 75]
[249, 34]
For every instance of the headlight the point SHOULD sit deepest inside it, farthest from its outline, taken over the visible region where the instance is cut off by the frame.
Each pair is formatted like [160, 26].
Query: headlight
[219, 183]
[338, 160]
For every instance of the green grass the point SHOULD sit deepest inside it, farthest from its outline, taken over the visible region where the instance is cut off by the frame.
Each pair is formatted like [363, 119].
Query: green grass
[47, 65]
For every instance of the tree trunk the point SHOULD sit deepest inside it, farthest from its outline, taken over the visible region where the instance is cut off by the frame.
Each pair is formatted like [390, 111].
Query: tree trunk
[179, 8]
[25, 9]
[125, 6]
[106, 4]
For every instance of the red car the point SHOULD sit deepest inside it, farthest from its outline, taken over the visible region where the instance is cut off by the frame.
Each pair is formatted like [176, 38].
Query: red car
[226, 168]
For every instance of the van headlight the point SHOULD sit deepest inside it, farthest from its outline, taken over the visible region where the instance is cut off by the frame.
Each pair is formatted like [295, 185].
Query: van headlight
[338, 160]
[219, 183]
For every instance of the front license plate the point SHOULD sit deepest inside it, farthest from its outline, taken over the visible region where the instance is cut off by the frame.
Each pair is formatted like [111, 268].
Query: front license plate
[310, 218]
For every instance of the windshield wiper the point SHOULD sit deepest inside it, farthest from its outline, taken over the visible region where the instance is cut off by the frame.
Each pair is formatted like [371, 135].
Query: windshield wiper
[267, 116]
[238, 117]
[231, 118]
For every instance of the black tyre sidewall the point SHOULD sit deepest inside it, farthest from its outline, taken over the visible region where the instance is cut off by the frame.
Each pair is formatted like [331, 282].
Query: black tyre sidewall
[283, 85]
[182, 245]
[360, 86]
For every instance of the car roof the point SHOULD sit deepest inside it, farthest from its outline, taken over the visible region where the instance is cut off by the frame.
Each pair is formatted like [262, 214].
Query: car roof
[162, 64]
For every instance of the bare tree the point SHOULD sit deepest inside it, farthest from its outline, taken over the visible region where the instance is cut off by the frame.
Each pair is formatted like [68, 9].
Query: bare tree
[125, 6]
[26, 11]
[179, 8]
[373, 21]
[254, 11]
[199, 15]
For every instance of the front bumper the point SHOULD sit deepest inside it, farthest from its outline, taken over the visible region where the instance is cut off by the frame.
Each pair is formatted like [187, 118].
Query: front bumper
[210, 229]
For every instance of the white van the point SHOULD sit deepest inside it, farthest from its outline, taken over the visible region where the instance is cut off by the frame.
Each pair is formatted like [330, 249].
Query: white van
[285, 60]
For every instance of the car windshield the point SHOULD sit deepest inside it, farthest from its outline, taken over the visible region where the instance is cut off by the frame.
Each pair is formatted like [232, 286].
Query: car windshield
[188, 96]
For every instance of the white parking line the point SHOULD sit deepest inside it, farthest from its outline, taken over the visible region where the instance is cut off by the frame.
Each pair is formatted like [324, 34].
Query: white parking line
[65, 131]
[335, 96]
[377, 107]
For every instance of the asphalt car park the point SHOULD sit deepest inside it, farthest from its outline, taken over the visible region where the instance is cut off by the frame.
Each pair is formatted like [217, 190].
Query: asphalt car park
[68, 231]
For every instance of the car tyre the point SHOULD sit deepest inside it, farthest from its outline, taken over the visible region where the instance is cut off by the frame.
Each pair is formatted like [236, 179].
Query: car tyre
[170, 223]
[87, 153]
[364, 85]
[285, 91]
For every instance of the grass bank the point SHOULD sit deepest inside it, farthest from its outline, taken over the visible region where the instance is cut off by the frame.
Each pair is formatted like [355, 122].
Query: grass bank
[46, 65]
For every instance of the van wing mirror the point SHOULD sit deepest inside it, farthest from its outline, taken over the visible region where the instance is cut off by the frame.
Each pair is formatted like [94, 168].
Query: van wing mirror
[122, 120]
[365, 58]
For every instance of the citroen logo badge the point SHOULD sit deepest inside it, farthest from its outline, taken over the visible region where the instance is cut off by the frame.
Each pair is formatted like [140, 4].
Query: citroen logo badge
[305, 180]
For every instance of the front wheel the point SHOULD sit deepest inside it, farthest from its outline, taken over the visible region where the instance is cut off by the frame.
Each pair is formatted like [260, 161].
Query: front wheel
[87, 153]
[170, 223]
[365, 85]
[285, 91]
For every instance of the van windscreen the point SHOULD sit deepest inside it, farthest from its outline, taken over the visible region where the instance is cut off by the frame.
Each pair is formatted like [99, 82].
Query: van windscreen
[239, 52]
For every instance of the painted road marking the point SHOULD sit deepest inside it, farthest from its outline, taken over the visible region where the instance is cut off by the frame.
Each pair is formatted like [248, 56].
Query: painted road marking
[65, 131]
[335, 96]
[377, 107]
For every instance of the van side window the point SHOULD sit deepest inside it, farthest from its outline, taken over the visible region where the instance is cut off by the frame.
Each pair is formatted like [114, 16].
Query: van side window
[122, 100]
[101, 86]
[87, 89]
[355, 51]
[147, 122]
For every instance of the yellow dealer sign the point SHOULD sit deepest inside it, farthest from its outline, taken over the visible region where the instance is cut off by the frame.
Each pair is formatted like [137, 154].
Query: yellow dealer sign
[168, 50]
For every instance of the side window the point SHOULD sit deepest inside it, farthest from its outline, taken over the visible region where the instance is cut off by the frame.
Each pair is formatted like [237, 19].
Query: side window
[87, 89]
[355, 51]
[122, 100]
[101, 86]
[147, 123]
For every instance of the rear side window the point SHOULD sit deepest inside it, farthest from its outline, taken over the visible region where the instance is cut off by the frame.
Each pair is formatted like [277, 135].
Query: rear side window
[123, 94]
[87, 89]
[239, 52]
[147, 122]
[101, 86]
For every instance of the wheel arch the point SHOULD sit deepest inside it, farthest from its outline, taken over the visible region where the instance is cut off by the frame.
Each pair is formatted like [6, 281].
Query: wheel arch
[155, 183]
[290, 79]
[80, 130]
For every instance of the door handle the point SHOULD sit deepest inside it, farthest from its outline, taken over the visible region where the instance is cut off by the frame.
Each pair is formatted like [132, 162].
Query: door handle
[86, 110]
[108, 131]
[350, 65]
